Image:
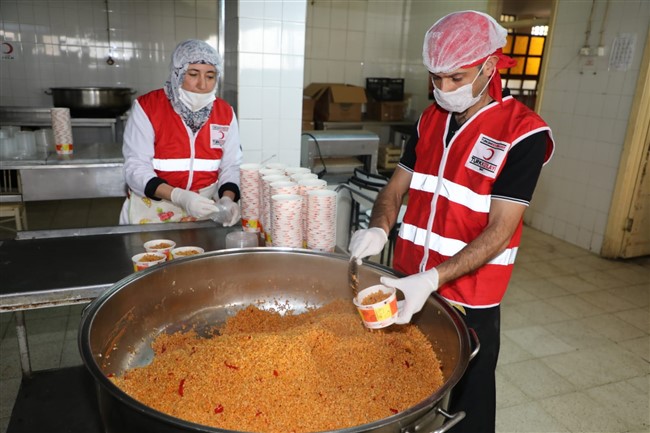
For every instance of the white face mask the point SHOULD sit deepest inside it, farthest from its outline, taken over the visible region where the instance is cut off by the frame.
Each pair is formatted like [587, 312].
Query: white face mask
[195, 101]
[461, 99]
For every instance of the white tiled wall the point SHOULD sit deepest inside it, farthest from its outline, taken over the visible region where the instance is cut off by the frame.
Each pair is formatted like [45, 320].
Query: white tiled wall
[60, 43]
[348, 42]
[269, 47]
[588, 108]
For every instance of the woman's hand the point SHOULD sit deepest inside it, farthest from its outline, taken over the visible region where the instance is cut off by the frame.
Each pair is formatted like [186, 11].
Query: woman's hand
[194, 204]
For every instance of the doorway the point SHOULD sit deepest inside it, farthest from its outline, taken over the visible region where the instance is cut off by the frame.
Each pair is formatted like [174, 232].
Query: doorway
[627, 233]
[528, 26]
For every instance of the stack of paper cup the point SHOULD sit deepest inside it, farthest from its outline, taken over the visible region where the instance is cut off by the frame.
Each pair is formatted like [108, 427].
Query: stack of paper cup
[290, 171]
[284, 187]
[250, 196]
[264, 201]
[321, 220]
[285, 220]
[301, 176]
[267, 226]
[304, 186]
[276, 166]
[62, 127]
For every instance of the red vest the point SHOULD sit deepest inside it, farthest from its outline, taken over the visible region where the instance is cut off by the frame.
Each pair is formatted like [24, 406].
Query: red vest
[476, 155]
[173, 160]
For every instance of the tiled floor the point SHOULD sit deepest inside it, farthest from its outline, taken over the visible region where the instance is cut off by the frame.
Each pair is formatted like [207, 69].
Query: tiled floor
[575, 351]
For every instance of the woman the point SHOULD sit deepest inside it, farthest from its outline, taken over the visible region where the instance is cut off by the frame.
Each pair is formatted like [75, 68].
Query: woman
[181, 146]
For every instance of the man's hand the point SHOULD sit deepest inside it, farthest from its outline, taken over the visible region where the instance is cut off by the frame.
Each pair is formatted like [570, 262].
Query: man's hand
[367, 242]
[194, 204]
[416, 288]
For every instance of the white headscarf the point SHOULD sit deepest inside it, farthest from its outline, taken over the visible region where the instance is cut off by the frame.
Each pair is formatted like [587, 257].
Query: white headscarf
[188, 52]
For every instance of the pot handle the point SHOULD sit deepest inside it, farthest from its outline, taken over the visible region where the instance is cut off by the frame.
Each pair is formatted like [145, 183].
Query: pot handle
[477, 344]
[426, 419]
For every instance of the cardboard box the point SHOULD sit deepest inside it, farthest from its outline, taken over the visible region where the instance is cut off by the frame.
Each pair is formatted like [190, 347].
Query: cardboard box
[308, 126]
[385, 89]
[386, 111]
[388, 156]
[336, 102]
[308, 105]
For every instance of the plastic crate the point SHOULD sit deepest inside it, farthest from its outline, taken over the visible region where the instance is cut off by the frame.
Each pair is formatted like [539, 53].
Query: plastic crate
[385, 89]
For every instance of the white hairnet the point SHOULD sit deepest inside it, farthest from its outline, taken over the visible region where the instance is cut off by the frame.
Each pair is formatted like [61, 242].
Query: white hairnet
[460, 39]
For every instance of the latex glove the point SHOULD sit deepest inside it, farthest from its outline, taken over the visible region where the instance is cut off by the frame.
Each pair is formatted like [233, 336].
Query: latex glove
[229, 212]
[416, 288]
[367, 242]
[194, 204]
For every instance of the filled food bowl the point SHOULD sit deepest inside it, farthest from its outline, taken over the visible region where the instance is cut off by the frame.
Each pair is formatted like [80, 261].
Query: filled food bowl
[199, 292]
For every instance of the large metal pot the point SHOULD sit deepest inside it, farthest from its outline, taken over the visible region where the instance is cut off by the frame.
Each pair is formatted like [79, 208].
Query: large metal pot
[200, 291]
[93, 102]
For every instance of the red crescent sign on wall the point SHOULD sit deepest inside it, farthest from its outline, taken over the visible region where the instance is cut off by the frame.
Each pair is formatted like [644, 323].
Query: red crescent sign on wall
[7, 48]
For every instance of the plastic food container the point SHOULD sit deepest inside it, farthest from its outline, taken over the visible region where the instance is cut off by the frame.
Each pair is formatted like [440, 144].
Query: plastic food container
[164, 246]
[145, 260]
[382, 312]
[180, 252]
[241, 239]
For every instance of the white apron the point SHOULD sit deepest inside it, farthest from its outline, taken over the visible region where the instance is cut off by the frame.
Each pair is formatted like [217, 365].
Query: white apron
[143, 210]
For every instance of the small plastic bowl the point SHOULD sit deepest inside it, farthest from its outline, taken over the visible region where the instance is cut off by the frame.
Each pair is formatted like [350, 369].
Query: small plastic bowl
[164, 246]
[146, 260]
[242, 239]
[379, 314]
[181, 252]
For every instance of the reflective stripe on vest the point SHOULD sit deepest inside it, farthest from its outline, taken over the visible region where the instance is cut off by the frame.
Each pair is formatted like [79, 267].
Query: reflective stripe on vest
[452, 191]
[184, 164]
[449, 246]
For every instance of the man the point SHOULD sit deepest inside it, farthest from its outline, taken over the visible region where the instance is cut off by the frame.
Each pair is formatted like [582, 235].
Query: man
[469, 169]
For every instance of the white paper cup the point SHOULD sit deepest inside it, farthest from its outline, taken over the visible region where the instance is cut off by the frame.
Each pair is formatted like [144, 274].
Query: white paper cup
[180, 252]
[164, 246]
[146, 260]
[377, 314]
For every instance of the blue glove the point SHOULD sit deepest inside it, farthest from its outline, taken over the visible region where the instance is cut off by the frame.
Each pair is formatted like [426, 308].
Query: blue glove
[416, 288]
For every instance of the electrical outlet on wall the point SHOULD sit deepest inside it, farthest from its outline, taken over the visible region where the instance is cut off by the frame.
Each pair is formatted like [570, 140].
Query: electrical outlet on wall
[600, 51]
[585, 51]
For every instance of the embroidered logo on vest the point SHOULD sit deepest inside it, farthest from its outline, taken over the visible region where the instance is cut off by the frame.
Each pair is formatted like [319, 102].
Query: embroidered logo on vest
[487, 156]
[218, 134]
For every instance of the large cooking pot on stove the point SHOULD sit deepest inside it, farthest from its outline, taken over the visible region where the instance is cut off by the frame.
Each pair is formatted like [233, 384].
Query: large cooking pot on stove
[93, 102]
[201, 291]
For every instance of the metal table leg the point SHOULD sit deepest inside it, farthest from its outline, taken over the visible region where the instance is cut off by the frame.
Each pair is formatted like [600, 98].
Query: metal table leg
[23, 346]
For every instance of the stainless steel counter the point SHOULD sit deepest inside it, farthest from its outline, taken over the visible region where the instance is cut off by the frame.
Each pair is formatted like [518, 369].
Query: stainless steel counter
[59, 267]
[93, 170]
[41, 117]
[63, 267]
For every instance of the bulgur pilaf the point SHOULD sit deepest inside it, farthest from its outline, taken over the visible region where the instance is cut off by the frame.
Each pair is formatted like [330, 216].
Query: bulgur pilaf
[267, 372]
[375, 297]
[150, 258]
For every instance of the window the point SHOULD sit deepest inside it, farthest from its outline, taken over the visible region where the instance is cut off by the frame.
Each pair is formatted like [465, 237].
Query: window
[522, 79]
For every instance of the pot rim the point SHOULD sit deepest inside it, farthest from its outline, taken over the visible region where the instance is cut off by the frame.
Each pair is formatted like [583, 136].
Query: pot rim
[91, 88]
[91, 309]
